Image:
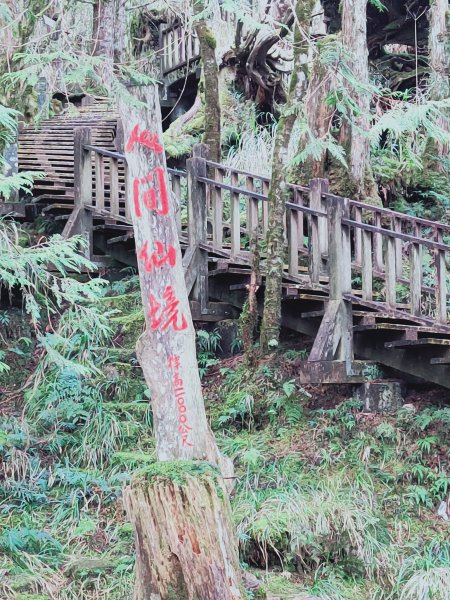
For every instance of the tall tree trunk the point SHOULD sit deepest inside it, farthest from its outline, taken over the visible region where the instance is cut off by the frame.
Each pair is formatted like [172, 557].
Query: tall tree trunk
[167, 348]
[103, 35]
[210, 83]
[439, 56]
[179, 509]
[359, 182]
[319, 115]
[279, 192]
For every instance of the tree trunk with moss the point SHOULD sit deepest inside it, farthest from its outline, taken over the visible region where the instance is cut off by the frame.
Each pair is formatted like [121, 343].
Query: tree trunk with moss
[209, 83]
[357, 181]
[165, 529]
[319, 116]
[184, 549]
[279, 191]
[439, 58]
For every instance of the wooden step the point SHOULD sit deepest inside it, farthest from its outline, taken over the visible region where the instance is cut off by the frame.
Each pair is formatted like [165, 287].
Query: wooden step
[399, 327]
[419, 342]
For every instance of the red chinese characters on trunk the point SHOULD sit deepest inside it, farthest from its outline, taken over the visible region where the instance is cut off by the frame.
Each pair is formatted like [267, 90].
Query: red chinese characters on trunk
[151, 191]
[144, 138]
[168, 315]
[158, 258]
[180, 395]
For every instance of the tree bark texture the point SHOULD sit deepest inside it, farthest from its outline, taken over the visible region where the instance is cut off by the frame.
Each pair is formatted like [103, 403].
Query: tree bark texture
[184, 550]
[210, 84]
[319, 116]
[279, 191]
[166, 350]
[439, 57]
[354, 40]
[104, 23]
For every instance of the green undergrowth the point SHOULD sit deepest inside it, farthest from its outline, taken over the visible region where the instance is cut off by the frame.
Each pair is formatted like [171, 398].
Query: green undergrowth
[177, 471]
[328, 500]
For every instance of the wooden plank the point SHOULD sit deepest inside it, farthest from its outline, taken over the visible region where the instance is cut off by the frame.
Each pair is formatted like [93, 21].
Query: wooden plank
[99, 182]
[415, 261]
[176, 190]
[235, 210]
[391, 277]
[252, 207]
[113, 189]
[197, 216]
[293, 237]
[366, 265]
[378, 244]
[419, 342]
[217, 211]
[358, 236]
[441, 282]
[317, 188]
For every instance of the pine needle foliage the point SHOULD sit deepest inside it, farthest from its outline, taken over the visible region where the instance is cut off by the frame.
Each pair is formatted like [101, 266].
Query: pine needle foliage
[26, 267]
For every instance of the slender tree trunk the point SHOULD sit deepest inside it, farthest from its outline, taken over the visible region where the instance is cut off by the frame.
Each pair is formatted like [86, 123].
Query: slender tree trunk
[210, 84]
[167, 348]
[279, 192]
[439, 56]
[103, 35]
[361, 183]
[249, 317]
[179, 508]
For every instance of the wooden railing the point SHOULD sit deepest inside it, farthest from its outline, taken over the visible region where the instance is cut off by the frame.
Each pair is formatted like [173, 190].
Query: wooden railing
[367, 253]
[103, 176]
[178, 46]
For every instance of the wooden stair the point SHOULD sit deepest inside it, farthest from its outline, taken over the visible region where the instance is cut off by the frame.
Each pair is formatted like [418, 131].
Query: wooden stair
[50, 148]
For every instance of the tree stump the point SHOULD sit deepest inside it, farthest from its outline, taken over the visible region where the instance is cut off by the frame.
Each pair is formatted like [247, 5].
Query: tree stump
[181, 517]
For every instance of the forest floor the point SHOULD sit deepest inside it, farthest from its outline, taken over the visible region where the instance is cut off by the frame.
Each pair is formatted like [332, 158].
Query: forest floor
[329, 501]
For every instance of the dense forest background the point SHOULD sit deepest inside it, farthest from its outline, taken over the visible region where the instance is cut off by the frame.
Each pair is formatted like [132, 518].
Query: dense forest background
[330, 502]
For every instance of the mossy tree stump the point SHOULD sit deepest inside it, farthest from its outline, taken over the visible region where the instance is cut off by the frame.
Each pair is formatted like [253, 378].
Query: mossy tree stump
[181, 518]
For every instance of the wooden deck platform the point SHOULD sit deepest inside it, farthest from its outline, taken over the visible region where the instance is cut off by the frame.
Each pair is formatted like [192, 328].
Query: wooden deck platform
[353, 280]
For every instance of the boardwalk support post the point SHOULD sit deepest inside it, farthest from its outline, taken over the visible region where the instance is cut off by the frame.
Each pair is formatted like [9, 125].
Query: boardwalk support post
[80, 221]
[334, 340]
[196, 258]
[318, 234]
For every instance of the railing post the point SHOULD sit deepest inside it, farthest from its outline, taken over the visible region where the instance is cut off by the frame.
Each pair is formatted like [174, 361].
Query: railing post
[441, 281]
[197, 220]
[83, 183]
[415, 262]
[317, 188]
[367, 266]
[339, 251]
[340, 272]
[334, 340]
[390, 272]
[235, 217]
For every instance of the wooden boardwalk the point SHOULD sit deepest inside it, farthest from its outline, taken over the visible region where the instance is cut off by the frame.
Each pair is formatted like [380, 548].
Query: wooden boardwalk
[366, 283]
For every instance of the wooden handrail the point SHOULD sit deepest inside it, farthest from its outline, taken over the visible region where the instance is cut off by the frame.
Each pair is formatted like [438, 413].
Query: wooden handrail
[389, 248]
[397, 235]
[105, 152]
